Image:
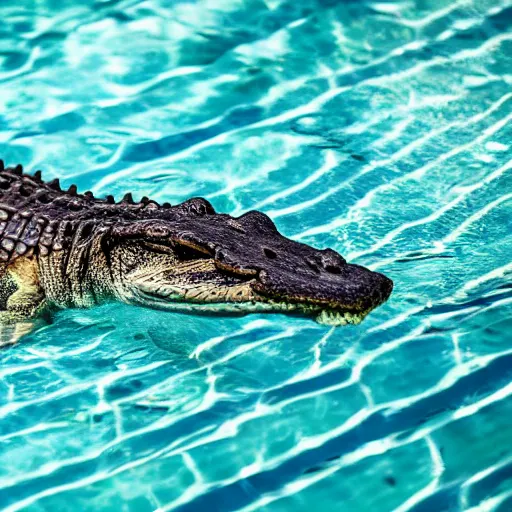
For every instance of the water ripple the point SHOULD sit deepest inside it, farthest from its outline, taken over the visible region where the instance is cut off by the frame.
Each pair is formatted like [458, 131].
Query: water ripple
[381, 129]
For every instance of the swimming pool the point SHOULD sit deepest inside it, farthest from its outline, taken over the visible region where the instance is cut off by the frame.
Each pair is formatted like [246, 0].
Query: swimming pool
[381, 129]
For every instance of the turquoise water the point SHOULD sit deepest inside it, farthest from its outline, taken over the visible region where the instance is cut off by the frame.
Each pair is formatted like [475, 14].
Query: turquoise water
[381, 129]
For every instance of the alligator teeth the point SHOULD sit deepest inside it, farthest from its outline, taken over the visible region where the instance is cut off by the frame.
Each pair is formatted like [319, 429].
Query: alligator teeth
[335, 318]
[331, 318]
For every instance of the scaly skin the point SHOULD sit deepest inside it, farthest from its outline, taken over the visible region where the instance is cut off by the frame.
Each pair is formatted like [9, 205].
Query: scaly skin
[62, 249]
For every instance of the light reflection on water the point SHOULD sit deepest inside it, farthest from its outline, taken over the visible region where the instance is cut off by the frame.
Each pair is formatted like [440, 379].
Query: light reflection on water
[381, 129]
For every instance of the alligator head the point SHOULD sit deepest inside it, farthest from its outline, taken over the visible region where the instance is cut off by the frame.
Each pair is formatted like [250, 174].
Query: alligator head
[196, 260]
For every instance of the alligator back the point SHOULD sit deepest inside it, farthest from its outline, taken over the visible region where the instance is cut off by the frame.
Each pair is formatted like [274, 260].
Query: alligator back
[40, 216]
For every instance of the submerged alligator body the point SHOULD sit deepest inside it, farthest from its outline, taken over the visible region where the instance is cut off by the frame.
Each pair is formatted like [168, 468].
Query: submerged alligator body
[61, 249]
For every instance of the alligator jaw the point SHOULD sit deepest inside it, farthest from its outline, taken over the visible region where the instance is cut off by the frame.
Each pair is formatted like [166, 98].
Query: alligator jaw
[167, 298]
[327, 317]
[203, 285]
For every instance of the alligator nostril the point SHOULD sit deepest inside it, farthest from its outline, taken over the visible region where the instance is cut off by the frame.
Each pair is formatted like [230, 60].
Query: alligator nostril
[269, 253]
[332, 262]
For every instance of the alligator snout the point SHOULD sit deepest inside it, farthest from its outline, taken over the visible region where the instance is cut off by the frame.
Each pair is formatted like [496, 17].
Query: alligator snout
[337, 286]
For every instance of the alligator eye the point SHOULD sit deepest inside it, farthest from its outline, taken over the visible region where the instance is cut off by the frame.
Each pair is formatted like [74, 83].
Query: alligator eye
[269, 253]
[312, 266]
[332, 270]
[198, 206]
[257, 220]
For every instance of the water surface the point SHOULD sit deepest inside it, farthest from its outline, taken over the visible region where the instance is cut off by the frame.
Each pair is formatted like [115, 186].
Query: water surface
[380, 129]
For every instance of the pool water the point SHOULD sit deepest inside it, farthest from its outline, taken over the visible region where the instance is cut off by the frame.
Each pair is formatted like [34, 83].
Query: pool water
[381, 129]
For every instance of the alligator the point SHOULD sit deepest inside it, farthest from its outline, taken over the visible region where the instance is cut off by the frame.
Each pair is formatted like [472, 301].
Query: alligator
[62, 249]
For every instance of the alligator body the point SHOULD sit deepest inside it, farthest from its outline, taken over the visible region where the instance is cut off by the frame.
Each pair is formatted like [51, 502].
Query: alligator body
[61, 249]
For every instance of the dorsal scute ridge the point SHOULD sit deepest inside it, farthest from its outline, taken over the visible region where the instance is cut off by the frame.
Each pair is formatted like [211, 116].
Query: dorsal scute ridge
[40, 216]
[41, 188]
[55, 185]
[127, 199]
